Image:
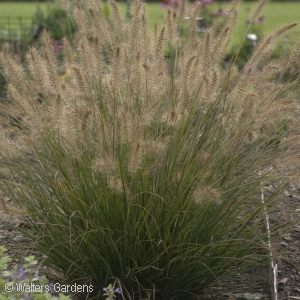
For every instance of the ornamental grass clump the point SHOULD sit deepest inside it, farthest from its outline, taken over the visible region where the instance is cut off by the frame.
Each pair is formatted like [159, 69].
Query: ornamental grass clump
[141, 170]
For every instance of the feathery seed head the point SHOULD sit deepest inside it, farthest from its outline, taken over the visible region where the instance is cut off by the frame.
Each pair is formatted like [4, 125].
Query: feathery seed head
[206, 194]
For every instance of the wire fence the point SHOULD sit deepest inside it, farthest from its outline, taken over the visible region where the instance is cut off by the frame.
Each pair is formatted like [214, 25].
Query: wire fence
[16, 30]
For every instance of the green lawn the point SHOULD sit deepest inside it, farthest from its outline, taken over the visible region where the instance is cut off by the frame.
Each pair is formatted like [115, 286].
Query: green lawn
[20, 9]
[11, 13]
[277, 14]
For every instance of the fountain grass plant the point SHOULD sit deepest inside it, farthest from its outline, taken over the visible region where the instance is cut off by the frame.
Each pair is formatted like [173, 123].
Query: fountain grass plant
[141, 170]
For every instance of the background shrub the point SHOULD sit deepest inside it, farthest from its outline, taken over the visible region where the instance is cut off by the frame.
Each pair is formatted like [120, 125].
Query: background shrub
[55, 20]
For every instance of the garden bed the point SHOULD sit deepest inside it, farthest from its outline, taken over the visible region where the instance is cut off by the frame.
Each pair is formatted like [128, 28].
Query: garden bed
[288, 266]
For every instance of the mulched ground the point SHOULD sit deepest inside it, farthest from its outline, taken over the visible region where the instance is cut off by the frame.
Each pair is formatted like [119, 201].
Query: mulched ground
[289, 268]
